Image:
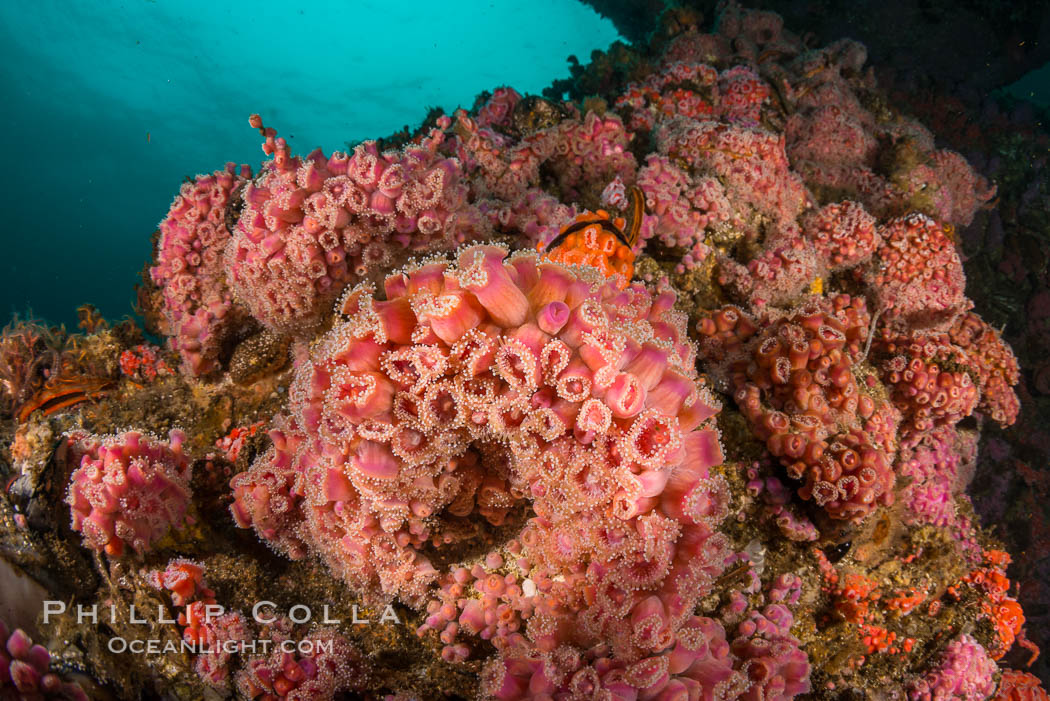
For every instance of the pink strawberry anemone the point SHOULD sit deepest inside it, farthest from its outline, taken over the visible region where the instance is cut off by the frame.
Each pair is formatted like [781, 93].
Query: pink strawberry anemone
[565, 411]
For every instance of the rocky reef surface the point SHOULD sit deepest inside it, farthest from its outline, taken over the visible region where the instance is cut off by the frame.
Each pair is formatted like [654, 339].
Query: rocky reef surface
[670, 384]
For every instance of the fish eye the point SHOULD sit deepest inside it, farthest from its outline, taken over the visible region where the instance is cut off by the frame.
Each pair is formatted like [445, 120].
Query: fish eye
[835, 553]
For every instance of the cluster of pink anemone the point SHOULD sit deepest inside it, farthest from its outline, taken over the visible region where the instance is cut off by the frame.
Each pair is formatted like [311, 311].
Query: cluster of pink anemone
[198, 307]
[514, 392]
[128, 489]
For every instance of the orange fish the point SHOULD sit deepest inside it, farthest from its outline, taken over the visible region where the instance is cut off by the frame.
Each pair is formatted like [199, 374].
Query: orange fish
[599, 240]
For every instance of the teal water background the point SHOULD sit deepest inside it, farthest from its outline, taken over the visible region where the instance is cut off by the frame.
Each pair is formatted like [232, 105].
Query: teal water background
[106, 106]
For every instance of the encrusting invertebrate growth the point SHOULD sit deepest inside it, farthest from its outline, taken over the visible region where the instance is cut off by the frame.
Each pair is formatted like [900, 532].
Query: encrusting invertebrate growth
[674, 391]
